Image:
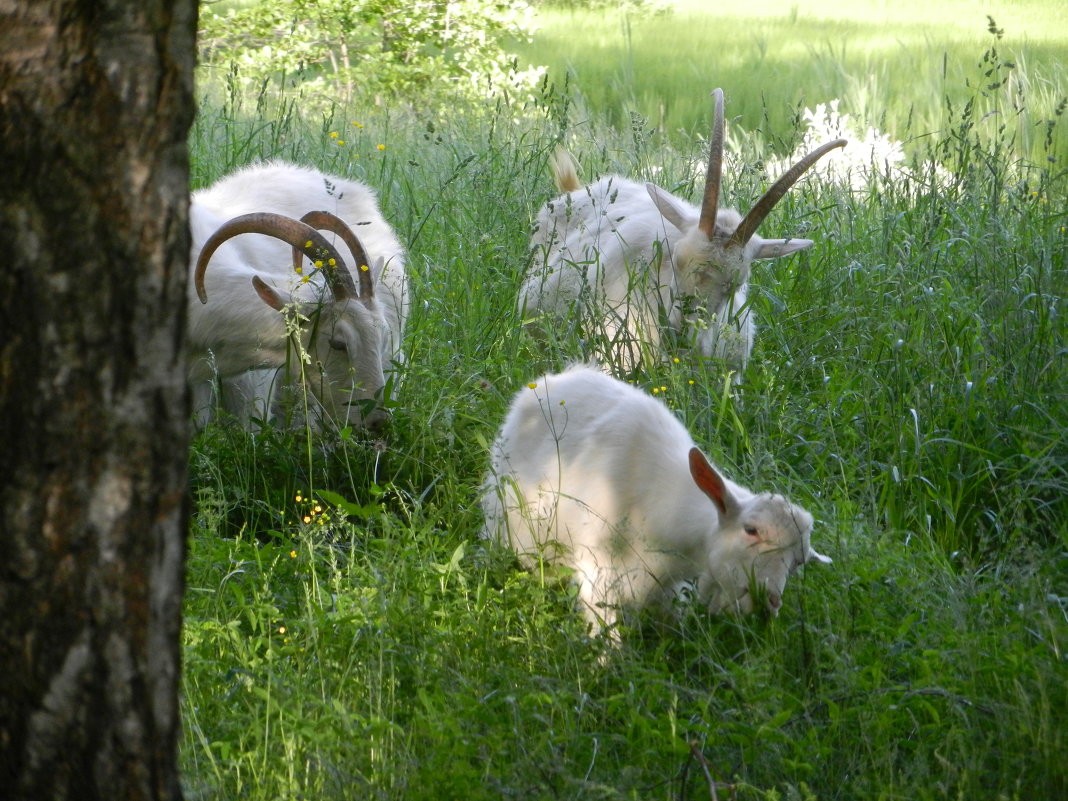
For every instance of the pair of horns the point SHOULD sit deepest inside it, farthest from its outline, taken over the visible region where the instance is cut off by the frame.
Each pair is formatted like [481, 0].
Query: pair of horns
[763, 207]
[304, 237]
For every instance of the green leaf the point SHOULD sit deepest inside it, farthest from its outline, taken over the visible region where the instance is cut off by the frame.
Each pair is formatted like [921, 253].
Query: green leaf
[347, 506]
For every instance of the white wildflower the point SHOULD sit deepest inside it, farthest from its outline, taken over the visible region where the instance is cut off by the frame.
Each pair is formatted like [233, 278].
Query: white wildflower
[870, 153]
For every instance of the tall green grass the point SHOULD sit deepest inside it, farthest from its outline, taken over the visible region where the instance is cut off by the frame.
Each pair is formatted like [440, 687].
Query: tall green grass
[893, 65]
[348, 636]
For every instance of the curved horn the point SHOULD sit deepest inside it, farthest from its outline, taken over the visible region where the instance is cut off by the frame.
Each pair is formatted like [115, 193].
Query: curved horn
[710, 204]
[300, 235]
[325, 221]
[747, 227]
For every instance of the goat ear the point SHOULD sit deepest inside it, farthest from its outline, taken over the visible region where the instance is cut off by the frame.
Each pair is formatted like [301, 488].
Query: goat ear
[267, 295]
[668, 205]
[711, 483]
[773, 248]
[814, 556]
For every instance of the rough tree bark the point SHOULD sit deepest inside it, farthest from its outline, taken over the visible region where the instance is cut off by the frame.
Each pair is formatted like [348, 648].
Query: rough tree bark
[95, 105]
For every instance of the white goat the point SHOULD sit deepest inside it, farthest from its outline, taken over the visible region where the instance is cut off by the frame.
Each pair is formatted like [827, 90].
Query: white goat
[592, 474]
[242, 310]
[629, 258]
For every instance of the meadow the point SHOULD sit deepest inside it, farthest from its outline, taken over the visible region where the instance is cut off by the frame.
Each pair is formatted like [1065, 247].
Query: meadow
[906, 67]
[348, 636]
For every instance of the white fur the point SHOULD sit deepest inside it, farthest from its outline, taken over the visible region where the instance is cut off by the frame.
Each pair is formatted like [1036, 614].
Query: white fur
[237, 331]
[625, 260]
[592, 474]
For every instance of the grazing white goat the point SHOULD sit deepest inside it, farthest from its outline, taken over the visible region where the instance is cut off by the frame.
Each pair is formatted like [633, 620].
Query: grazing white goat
[592, 474]
[627, 259]
[247, 291]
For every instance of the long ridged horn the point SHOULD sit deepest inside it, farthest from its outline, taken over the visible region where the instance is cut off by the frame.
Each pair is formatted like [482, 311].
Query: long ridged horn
[293, 232]
[778, 190]
[325, 221]
[710, 204]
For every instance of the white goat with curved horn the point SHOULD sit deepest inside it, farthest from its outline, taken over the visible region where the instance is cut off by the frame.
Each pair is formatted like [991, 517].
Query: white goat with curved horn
[350, 334]
[631, 259]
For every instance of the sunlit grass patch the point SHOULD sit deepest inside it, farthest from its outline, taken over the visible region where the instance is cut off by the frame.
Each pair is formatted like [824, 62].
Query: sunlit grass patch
[892, 65]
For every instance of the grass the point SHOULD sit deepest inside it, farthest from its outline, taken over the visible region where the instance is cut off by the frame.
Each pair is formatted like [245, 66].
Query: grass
[907, 386]
[891, 64]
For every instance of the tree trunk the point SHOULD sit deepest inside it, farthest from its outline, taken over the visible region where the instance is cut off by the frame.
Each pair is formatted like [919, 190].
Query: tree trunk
[95, 105]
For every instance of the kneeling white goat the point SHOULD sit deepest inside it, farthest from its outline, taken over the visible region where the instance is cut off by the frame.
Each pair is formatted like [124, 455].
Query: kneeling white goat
[592, 474]
[258, 293]
[626, 259]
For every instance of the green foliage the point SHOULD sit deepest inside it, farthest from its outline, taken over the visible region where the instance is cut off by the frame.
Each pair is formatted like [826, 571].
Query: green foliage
[341, 50]
[892, 64]
[634, 7]
[349, 636]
